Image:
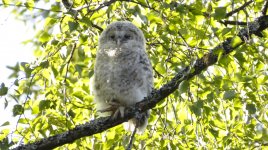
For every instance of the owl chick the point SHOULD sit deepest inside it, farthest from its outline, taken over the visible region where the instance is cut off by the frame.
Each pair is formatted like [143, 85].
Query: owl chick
[123, 72]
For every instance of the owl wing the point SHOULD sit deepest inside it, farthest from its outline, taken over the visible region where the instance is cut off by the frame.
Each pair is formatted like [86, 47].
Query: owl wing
[147, 71]
[141, 120]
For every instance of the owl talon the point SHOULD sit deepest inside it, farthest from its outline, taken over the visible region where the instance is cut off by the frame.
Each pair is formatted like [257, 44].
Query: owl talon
[120, 111]
[115, 108]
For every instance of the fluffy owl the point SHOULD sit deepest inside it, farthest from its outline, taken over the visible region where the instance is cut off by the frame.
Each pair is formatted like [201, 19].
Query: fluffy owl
[123, 72]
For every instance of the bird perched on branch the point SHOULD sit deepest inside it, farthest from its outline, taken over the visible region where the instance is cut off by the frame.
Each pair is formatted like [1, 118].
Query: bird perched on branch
[123, 72]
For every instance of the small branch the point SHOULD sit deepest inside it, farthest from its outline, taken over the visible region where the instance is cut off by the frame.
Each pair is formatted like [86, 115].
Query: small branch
[238, 9]
[71, 56]
[64, 81]
[97, 27]
[143, 5]
[264, 10]
[103, 5]
[75, 11]
[132, 138]
[226, 22]
[184, 41]
[101, 124]
[20, 5]
[181, 44]
[69, 6]
[158, 74]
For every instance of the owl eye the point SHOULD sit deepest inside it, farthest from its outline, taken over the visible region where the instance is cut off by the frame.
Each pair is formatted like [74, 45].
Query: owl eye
[112, 37]
[127, 36]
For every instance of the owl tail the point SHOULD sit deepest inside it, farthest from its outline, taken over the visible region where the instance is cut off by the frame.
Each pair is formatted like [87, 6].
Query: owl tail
[140, 122]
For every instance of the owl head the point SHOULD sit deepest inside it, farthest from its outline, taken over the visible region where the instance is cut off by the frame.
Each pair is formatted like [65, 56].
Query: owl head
[121, 34]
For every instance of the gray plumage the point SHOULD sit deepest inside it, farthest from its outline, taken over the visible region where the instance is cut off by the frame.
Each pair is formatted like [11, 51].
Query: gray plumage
[123, 72]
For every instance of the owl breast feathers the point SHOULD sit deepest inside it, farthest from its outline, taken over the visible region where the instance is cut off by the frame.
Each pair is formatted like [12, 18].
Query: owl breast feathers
[123, 72]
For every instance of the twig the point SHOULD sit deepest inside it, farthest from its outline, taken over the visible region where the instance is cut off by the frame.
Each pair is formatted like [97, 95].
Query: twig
[238, 9]
[226, 22]
[101, 6]
[264, 10]
[132, 138]
[181, 44]
[158, 74]
[21, 5]
[24, 104]
[97, 27]
[184, 41]
[69, 6]
[71, 56]
[143, 5]
[64, 81]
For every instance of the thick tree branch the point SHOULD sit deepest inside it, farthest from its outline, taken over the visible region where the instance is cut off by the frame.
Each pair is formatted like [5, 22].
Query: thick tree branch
[101, 124]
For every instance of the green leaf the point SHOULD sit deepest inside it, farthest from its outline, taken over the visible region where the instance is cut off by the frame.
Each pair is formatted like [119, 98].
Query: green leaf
[55, 8]
[91, 73]
[83, 38]
[79, 68]
[153, 17]
[15, 70]
[44, 104]
[199, 104]
[225, 31]
[55, 71]
[17, 110]
[195, 11]
[44, 64]
[71, 113]
[229, 94]
[23, 120]
[236, 41]
[195, 110]
[6, 103]
[27, 69]
[5, 2]
[3, 89]
[251, 108]
[184, 86]
[160, 68]
[44, 37]
[54, 42]
[29, 4]
[240, 57]
[16, 82]
[215, 133]
[50, 21]
[79, 95]
[5, 124]
[220, 13]
[72, 25]
[210, 97]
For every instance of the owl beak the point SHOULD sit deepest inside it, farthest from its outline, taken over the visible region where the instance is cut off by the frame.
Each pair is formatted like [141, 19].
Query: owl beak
[118, 41]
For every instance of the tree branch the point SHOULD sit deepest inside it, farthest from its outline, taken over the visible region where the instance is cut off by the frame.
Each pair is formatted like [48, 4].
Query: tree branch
[226, 22]
[21, 5]
[264, 10]
[69, 6]
[104, 123]
[238, 9]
